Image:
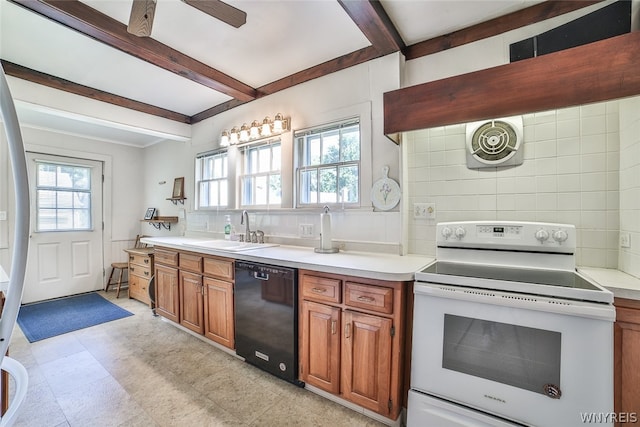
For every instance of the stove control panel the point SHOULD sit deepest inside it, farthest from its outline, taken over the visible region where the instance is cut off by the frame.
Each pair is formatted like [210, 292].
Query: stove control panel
[510, 235]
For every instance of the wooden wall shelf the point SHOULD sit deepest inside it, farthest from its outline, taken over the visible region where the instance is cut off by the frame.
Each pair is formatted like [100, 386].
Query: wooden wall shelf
[161, 221]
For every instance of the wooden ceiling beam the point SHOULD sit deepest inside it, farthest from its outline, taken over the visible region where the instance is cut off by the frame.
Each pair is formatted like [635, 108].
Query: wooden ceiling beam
[54, 82]
[493, 27]
[337, 64]
[375, 24]
[90, 22]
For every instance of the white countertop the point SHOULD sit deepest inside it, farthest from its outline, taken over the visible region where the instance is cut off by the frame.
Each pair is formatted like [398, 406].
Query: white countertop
[353, 263]
[622, 285]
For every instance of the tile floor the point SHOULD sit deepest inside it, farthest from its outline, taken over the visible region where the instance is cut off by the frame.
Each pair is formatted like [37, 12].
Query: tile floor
[142, 371]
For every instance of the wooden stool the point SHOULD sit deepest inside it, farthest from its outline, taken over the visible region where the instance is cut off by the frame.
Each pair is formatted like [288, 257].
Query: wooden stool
[120, 266]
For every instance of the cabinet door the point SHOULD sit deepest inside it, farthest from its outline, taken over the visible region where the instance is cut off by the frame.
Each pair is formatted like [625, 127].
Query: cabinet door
[320, 346]
[138, 288]
[366, 360]
[191, 301]
[218, 312]
[626, 351]
[167, 293]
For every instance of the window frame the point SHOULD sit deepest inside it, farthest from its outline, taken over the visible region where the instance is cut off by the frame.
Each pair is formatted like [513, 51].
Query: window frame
[244, 158]
[300, 138]
[199, 180]
[57, 189]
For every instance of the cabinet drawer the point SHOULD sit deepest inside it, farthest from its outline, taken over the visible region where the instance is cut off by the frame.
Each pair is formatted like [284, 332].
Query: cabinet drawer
[166, 257]
[139, 289]
[139, 259]
[321, 288]
[140, 270]
[218, 268]
[374, 298]
[190, 262]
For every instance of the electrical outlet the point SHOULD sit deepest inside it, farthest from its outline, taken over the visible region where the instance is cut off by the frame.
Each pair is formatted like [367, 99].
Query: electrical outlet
[625, 240]
[424, 210]
[305, 230]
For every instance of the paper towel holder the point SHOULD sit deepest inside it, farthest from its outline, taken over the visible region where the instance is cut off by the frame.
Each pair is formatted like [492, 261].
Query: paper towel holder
[322, 249]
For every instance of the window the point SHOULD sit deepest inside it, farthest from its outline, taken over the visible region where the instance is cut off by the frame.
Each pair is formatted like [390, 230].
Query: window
[328, 168]
[212, 180]
[63, 197]
[261, 180]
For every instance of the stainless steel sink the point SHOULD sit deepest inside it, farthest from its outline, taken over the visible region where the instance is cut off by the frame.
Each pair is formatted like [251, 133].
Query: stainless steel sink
[229, 245]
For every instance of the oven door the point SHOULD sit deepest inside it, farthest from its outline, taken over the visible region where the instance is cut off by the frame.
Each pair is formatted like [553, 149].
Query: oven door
[534, 360]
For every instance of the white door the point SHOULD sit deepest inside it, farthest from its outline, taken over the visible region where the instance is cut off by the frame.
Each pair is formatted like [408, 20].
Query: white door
[65, 250]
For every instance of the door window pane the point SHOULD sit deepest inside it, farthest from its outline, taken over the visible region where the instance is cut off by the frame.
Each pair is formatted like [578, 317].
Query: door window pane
[63, 197]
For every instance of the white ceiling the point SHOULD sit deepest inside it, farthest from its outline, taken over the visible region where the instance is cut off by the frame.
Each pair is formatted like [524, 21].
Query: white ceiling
[280, 38]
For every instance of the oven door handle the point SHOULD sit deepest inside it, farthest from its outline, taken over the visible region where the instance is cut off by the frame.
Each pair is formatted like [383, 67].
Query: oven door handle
[600, 311]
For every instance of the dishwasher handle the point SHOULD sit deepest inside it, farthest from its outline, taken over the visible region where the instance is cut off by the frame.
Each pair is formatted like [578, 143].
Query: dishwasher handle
[261, 275]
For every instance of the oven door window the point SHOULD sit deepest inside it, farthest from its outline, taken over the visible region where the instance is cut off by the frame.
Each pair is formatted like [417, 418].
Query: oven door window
[523, 357]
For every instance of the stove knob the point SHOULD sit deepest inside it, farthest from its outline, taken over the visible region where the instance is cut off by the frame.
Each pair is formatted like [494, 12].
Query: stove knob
[542, 235]
[460, 232]
[560, 236]
[446, 232]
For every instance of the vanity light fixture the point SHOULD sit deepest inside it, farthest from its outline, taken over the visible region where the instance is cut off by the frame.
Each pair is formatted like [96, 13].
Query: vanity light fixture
[224, 139]
[256, 131]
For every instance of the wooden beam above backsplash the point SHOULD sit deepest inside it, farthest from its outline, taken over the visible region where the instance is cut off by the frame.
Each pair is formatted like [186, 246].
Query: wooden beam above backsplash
[599, 71]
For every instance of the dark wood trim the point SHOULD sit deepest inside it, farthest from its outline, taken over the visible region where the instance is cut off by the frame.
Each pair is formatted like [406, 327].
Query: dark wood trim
[54, 82]
[217, 109]
[607, 69]
[502, 24]
[88, 21]
[375, 24]
[337, 64]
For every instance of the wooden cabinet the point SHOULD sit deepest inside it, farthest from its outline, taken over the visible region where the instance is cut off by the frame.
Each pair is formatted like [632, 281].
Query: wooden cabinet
[352, 339]
[167, 289]
[218, 300]
[626, 351]
[191, 302]
[203, 297]
[141, 270]
[320, 345]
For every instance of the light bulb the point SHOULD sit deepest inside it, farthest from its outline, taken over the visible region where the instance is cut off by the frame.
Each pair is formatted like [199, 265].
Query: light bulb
[233, 138]
[277, 123]
[224, 139]
[244, 133]
[266, 127]
[254, 132]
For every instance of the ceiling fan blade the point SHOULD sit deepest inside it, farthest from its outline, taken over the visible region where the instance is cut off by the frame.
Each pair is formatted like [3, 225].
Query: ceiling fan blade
[220, 10]
[141, 18]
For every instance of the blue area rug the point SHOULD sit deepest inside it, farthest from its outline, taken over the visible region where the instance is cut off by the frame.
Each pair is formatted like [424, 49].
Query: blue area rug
[50, 318]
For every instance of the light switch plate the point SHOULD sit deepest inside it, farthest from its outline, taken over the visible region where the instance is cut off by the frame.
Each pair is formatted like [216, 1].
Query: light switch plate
[625, 240]
[424, 210]
[306, 230]
[3, 215]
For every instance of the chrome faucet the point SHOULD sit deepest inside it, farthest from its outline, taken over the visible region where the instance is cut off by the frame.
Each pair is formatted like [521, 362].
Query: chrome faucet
[247, 233]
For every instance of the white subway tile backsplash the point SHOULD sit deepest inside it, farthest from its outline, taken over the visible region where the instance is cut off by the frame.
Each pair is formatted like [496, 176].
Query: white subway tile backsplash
[593, 143]
[570, 182]
[594, 163]
[594, 125]
[568, 129]
[568, 146]
[594, 181]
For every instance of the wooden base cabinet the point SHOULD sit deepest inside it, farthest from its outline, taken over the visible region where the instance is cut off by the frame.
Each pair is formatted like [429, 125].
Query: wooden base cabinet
[626, 351]
[218, 312]
[352, 337]
[191, 302]
[320, 345]
[140, 272]
[197, 292]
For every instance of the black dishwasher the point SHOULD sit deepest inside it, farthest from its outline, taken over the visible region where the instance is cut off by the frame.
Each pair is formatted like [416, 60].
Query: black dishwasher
[266, 311]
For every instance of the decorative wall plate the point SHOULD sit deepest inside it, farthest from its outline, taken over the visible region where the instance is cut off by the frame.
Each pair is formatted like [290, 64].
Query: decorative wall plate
[385, 193]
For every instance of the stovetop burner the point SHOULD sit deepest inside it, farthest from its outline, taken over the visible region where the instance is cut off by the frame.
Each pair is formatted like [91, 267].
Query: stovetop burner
[526, 257]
